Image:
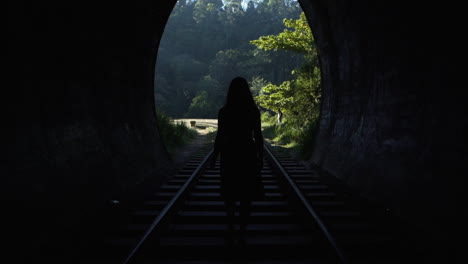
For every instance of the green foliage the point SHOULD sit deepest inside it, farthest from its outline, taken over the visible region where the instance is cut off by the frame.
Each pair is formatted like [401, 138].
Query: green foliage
[211, 86]
[306, 141]
[225, 66]
[202, 106]
[267, 118]
[269, 42]
[299, 40]
[257, 84]
[276, 98]
[205, 9]
[206, 44]
[301, 139]
[297, 99]
[185, 67]
[173, 135]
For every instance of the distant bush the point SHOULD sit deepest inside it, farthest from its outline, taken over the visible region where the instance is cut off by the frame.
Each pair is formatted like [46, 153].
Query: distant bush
[268, 118]
[306, 142]
[173, 134]
[300, 139]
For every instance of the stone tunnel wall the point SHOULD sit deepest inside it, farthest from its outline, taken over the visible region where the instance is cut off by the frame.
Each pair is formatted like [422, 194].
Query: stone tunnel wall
[83, 126]
[392, 123]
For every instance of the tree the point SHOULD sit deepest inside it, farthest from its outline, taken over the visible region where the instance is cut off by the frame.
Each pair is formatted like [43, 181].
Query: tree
[299, 39]
[207, 42]
[205, 8]
[277, 98]
[298, 98]
[226, 65]
[202, 106]
[233, 6]
[214, 89]
[257, 84]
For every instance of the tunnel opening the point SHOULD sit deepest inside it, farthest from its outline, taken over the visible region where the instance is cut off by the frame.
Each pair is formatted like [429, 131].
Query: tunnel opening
[207, 43]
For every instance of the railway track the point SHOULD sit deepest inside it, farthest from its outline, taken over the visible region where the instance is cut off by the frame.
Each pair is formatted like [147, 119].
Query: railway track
[302, 219]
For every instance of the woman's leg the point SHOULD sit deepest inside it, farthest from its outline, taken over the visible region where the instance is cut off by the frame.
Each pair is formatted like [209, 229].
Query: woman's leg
[230, 214]
[245, 208]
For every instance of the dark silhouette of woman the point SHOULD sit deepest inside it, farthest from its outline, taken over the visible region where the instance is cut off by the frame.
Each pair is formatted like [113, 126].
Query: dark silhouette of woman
[239, 141]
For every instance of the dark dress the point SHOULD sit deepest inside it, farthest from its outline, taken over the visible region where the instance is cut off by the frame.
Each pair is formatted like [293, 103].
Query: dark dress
[239, 141]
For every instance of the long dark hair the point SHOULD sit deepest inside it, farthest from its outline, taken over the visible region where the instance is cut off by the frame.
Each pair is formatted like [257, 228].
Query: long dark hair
[239, 95]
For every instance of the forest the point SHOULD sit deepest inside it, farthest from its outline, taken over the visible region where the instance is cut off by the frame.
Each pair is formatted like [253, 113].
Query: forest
[206, 43]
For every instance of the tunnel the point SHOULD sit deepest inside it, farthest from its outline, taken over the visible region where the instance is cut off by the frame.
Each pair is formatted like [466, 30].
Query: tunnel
[81, 127]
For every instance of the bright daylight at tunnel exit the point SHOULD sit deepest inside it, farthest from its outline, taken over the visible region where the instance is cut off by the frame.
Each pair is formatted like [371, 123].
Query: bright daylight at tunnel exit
[207, 43]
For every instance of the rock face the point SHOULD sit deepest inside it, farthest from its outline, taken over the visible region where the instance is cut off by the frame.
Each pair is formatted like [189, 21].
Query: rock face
[392, 124]
[83, 126]
[81, 122]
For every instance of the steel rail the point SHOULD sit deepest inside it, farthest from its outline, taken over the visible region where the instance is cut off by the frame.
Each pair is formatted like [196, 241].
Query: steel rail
[306, 204]
[168, 208]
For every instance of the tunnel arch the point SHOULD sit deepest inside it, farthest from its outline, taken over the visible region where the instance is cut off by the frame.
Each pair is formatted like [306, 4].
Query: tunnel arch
[82, 121]
[191, 55]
